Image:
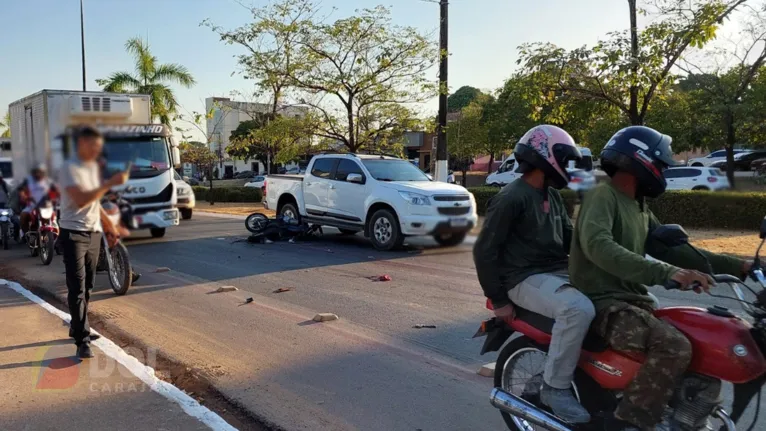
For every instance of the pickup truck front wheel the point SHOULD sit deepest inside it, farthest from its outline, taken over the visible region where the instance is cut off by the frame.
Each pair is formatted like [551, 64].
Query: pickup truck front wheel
[289, 210]
[384, 231]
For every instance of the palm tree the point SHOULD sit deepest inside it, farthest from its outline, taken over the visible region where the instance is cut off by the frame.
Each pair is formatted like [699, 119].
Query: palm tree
[6, 124]
[150, 78]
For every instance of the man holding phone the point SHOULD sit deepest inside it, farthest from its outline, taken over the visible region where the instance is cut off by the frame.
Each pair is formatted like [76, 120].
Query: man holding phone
[81, 227]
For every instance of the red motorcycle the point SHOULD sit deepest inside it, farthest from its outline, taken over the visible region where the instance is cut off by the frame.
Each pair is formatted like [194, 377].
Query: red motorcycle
[727, 348]
[44, 230]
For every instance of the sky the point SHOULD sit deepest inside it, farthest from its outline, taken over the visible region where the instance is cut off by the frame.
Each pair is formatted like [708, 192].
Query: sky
[41, 38]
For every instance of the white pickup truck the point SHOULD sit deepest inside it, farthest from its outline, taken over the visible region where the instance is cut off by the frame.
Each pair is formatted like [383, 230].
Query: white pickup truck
[386, 198]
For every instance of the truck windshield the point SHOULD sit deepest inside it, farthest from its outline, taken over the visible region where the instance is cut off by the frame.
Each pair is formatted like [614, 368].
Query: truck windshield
[394, 170]
[7, 169]
[149, 156]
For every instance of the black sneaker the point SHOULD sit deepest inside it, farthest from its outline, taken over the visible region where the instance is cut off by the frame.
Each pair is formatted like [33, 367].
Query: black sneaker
[134, 277]
[93, 336]
[84, 352]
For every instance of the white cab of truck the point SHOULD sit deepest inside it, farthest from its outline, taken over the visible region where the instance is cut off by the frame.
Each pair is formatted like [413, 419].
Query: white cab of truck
[386, 198]
[41, 132]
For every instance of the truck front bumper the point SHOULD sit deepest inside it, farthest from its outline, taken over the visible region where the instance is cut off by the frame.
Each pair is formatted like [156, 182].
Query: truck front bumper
[157, 219]
[436, 225]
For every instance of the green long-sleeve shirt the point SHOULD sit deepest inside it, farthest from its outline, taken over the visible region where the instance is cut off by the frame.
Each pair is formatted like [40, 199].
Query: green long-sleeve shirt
[607, 260]
[519, 239]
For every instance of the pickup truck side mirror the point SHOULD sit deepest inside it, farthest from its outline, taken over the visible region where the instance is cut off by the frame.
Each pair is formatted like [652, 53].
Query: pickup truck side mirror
[355, 178]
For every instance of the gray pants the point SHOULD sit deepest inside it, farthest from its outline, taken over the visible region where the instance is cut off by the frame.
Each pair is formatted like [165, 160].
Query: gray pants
[552, 296]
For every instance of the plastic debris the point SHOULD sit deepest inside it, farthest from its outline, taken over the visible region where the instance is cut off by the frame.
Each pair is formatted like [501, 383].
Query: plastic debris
[226, 289]
[248, 300]
[384, 277]
[325, 317]
[424, 326]
[283, 289]
[162, 269]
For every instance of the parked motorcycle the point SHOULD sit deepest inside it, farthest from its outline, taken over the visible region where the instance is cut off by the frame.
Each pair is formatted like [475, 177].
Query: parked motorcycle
[44, 230]
[726, 348]
[9, 227]
[283, 227]
[116, 260]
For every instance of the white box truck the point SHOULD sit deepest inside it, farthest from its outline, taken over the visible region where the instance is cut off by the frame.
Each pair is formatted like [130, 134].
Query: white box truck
[41, 133]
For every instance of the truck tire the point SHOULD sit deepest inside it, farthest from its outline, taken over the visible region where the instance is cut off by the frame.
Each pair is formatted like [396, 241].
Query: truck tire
[450, 239]
[186, 213]
[384, 231]
[290, 211]
[157, 232]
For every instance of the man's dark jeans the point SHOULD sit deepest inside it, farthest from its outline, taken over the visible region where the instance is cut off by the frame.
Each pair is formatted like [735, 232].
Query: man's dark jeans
[80, 251]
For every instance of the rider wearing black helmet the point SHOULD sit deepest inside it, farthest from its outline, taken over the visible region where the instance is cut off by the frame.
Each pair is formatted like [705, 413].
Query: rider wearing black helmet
[607, 263]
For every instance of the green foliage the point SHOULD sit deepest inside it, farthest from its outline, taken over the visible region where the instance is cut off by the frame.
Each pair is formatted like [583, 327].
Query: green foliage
[461, 98]
[151, 78]
[283, 138]
[228, 194]
[6, 124]
[694, 209]
[467, 136]
[198, 154]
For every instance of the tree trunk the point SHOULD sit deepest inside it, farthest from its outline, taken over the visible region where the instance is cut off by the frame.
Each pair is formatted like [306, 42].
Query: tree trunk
[464, 180]
[731, 140]
[491, 162]
[210, 179]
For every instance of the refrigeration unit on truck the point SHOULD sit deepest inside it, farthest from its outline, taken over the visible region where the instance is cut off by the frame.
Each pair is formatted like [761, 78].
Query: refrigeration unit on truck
[41, 131]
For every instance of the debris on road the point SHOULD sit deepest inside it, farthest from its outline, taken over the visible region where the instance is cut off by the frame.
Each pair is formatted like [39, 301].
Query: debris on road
[384, 277]
[162, 269]
[325, 317]
[487, 370]
[248, 300]
[226, 289]
[283, 289]
[424, 326]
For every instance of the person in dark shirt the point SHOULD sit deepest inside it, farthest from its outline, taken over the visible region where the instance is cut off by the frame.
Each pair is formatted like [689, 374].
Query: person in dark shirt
[521, 259]
[607, 263]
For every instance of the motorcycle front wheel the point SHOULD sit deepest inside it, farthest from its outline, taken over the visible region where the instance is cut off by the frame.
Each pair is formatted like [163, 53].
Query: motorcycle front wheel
[47, 243]
[255, 223]
[121, 272]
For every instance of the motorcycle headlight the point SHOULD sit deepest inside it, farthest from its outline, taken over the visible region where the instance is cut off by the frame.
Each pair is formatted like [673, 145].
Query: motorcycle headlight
[4, 213]
[415, 199]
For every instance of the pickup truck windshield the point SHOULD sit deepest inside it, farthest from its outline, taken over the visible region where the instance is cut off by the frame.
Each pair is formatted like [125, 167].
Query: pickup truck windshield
[149, 156]
[394, 170]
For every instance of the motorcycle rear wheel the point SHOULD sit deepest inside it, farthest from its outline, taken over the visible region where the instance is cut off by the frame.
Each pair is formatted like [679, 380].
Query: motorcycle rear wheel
[255, 223]
[47, 243]
[121, 272]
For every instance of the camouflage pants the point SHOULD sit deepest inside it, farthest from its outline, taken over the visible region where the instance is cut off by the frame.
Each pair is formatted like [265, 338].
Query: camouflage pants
[668, 354]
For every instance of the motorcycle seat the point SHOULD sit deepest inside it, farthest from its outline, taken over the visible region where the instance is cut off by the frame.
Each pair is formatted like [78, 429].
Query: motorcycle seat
[592, 343]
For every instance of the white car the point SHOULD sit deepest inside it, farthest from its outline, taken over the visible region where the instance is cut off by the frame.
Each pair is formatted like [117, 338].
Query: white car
[505, 174]
[386, 198]
[715, 156]
[186, 200]
[257, 182]
[696, 178]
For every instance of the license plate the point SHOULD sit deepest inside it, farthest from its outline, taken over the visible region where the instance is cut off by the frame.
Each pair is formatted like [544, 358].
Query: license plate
[458, 222]
[170, 215]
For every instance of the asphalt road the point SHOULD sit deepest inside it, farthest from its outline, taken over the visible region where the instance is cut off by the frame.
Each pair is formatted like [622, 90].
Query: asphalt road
[369, 370]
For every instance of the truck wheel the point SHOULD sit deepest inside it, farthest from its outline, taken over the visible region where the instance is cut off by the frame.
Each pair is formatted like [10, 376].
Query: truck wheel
[450, 239]
[289, 210]
[157, 232]
[384, 231]
[186, 213]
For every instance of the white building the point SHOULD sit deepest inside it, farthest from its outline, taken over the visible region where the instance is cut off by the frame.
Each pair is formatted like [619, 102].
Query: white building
[227, 114]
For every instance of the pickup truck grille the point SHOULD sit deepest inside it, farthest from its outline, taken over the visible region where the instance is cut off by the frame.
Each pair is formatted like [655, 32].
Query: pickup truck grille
[454, 211]
[162, 197]
[452, 198]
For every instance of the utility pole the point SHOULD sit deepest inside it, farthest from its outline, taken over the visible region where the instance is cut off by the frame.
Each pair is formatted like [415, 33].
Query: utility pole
[441, 142]
[82, 44]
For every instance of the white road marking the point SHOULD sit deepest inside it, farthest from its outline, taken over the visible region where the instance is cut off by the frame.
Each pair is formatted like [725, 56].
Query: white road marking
[141, 371]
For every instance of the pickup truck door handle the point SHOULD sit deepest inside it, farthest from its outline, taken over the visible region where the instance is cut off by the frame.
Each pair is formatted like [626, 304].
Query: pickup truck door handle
[308, 183]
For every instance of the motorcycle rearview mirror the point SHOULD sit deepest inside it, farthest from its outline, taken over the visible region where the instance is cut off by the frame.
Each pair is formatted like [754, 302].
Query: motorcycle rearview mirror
[671, 235]
[763, 228]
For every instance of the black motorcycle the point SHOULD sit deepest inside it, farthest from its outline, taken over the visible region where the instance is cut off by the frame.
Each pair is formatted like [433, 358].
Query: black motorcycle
[275, 229]
[9, 227]
[116, 260]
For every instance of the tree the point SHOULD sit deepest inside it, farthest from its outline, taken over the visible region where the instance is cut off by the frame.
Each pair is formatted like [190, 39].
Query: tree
[462, 98]
[6, 124]
[198, 154]
[725, 91]
[150, 78]
[631, 68]
[243, 143]
[360, 74]
[273, 54]
[467, 137]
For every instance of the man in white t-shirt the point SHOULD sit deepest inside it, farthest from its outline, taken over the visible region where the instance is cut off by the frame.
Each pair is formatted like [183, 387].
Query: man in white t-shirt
[81, 228]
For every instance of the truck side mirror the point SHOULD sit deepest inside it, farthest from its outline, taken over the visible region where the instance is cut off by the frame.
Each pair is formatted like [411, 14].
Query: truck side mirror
[176, 157]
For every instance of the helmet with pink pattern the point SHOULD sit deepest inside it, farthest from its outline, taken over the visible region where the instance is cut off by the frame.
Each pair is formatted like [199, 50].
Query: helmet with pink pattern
[548, 148]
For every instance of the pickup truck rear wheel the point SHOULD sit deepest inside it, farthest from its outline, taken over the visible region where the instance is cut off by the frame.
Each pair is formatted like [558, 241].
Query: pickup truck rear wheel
[289, 210]
[157, 232]
[384, 231]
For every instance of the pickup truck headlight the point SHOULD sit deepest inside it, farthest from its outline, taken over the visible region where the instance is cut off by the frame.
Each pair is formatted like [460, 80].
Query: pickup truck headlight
[183, 191]
[415, 199]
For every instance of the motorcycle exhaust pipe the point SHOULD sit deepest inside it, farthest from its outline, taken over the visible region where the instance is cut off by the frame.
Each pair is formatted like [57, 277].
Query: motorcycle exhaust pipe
[520, 408]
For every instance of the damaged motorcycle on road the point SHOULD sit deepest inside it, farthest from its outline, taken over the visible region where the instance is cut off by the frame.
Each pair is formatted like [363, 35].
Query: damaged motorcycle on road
[726, 348]
[264, 229]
